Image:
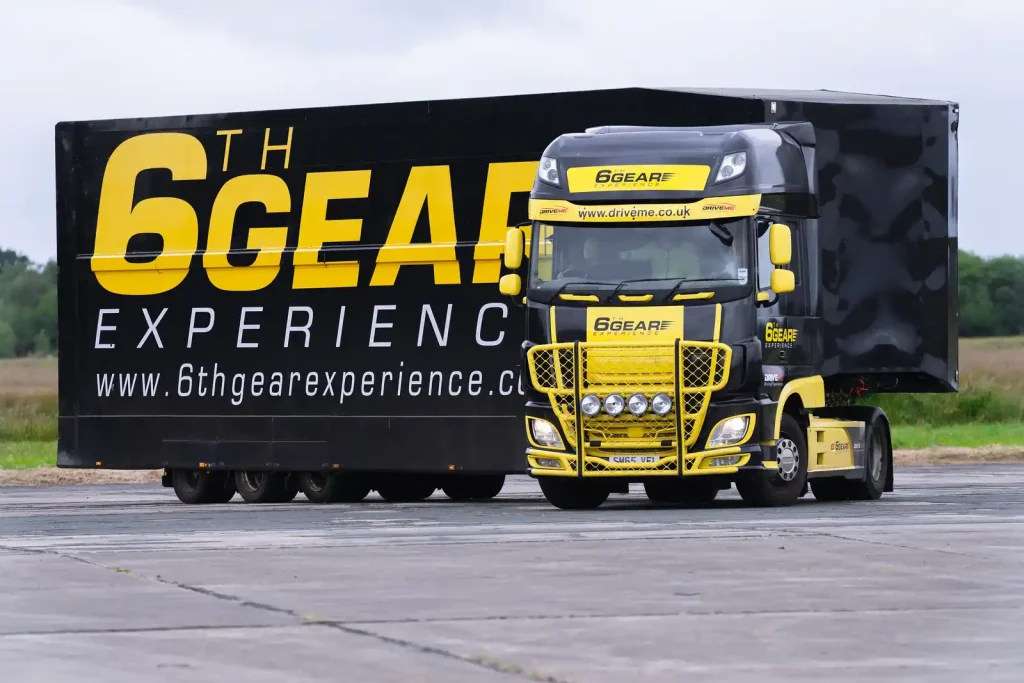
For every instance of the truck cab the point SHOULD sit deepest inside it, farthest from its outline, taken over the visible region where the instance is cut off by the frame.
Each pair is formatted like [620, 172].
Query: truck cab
[672, 334]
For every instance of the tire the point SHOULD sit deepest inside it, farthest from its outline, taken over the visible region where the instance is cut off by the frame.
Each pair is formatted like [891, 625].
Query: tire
[202, 487]
[262, 487]
[690, 491]
[229, 490]
[291, 488]
[571, 494]
[474, 487]
[332, 487]
[830, 489]
[781, 487]
[406, 488]
[876, 463]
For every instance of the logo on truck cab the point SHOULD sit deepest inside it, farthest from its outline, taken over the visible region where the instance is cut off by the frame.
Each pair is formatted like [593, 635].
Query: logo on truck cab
[776, 336]
[691, 178]
[648, 323]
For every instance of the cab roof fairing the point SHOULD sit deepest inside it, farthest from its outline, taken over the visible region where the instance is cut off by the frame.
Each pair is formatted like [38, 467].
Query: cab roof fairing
[780, 159]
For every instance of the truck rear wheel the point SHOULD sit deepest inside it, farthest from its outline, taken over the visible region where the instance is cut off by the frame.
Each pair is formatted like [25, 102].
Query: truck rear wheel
[783, 486]
[474, 487]
[406, 488]
[262, 487]
[696, 491]
[572, 494]
[333, 487]
[202, 487]
[876, 462]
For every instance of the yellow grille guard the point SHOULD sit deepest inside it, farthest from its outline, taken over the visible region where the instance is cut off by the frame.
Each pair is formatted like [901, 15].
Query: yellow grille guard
[688, 371]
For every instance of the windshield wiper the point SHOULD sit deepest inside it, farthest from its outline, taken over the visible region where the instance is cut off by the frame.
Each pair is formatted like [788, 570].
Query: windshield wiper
[578, 282]
[640, 279]
[685, 281]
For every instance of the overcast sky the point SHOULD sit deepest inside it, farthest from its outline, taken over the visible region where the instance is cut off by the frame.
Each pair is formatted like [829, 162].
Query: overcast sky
[82, 59]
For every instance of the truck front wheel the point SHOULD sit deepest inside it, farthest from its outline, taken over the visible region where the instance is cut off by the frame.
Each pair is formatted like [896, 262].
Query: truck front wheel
[573, 494]
[784, 485]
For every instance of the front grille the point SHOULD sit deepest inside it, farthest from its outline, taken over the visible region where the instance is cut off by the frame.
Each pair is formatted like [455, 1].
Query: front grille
[688, 371]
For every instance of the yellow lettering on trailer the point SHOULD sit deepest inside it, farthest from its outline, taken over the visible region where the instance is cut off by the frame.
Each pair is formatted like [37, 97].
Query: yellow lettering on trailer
[430, 185]
[175, 221]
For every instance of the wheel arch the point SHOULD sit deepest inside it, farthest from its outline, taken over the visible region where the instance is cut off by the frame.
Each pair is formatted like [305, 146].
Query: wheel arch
[798, 397]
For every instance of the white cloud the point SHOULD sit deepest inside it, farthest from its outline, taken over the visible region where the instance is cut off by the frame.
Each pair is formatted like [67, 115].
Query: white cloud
[68, 59]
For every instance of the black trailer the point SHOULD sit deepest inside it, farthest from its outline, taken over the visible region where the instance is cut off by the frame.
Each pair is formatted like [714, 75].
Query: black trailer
[314, 292]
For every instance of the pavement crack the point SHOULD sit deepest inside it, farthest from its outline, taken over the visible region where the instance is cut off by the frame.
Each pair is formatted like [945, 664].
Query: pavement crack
[482, 661]
[475, 660]
[138, 629]
[916, 549]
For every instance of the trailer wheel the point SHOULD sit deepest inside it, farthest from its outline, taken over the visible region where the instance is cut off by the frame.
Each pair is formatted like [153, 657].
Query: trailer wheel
[291, 488]
[781, 487]
[474, 487]
[332, 487]
[229, 490]
[697, 491]
[572, 494]
[202, 487]
[876, 463]
[406, 488]
[262, 487]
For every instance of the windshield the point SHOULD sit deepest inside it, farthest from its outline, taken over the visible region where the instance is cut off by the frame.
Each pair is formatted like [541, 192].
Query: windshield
[703, 251]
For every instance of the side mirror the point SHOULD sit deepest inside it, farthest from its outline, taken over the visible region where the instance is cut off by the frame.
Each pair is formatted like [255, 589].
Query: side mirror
[783, 281]
[780, 246]
[511, 284]
[514, 247]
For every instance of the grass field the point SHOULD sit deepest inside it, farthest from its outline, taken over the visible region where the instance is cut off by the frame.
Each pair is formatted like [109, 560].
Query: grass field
[989, 410]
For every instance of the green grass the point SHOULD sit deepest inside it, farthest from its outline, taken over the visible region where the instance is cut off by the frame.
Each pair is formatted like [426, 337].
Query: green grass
[31, 417]
[19, 455]
[973, 404]
[958, 435]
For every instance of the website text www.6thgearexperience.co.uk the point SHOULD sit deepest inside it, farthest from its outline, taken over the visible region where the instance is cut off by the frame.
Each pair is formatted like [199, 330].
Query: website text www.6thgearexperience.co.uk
[214, 382]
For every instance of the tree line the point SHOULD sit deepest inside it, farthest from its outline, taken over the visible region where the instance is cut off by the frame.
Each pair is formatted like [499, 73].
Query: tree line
[991, 301]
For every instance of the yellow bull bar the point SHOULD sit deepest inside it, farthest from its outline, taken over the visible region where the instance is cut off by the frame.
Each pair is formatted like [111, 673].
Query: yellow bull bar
[648, 444]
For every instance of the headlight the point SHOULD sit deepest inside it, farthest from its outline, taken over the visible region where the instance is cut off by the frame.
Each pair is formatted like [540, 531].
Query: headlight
[614, 404]
[661, 404]
[548, 171]
[732, 166]
[638, 404]
[729, 432]
[545, 434]
[590, 405]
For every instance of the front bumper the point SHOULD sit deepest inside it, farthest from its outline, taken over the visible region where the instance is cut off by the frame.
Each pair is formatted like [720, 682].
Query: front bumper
[651, 459]
[751, 457]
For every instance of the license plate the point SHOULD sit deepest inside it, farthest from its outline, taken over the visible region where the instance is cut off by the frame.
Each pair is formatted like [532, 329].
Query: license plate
[633, 459]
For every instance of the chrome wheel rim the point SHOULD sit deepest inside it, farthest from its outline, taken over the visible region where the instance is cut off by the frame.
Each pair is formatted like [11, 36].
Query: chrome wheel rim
[787, 458]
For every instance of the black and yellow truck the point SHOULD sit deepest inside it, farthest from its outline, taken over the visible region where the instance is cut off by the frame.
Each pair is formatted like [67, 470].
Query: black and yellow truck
[707, 305]
[262, 302]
